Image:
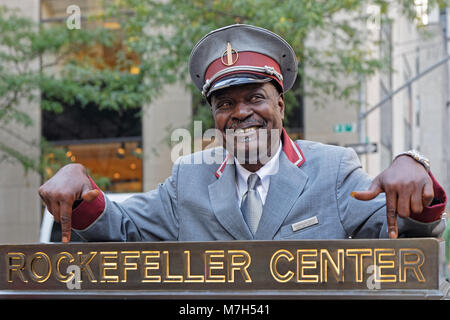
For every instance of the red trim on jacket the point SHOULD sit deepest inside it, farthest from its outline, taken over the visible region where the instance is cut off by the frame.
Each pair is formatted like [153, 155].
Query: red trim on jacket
[292, 150]
[87, 212]
[219, 171]
[433, 212]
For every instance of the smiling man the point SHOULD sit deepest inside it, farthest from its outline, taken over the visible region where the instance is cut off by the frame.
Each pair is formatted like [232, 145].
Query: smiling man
[266, 185]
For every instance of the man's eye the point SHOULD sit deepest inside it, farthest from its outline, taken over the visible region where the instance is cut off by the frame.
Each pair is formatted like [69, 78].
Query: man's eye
[256, 98]
[223, 104]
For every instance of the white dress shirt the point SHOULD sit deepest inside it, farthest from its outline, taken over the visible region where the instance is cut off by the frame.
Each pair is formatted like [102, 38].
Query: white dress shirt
[264, 173]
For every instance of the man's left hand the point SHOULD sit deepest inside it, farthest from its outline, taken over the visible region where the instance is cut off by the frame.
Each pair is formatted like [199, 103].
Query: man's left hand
[408, 189]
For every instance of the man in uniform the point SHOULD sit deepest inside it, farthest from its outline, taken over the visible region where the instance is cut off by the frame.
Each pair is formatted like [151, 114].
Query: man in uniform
[266, 186]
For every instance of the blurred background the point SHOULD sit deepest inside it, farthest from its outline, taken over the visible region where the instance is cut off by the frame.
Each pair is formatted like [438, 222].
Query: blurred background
[104, 83]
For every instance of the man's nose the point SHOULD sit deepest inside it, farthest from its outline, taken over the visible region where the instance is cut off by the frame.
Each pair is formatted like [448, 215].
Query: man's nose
[242, 111]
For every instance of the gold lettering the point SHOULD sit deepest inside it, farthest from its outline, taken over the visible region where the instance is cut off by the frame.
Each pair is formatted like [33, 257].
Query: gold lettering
[219, 266]
[211, 265]
[108, 265]
[57, 266]
[149, 265]
[125, 265]
[303, 264]
[167, 276]
[16, 264]
[285, 254]
[384, 264]
[35, 261]
[413, 265]
[242, 265]
[187, 270]
[83, 261]
[338, 269]
[359, 254]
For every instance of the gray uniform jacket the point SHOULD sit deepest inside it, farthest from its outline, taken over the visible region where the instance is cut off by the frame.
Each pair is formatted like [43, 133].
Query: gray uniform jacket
[198, 202]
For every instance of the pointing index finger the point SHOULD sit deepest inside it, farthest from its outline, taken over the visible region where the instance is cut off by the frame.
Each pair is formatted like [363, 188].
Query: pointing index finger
[66, 221]
[391, 214]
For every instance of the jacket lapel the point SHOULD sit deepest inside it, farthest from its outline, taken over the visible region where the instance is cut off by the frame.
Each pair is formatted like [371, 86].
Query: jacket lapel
[285, 188]
[222, 194]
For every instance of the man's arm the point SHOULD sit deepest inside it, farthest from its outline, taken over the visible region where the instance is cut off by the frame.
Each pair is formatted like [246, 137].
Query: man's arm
[148, 216]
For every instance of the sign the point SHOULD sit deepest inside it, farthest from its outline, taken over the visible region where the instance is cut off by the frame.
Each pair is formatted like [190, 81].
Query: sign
[363, 148]
[333, 268]
[344, 127]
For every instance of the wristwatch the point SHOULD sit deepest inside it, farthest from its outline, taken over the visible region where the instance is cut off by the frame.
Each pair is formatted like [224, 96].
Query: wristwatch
[416, 155]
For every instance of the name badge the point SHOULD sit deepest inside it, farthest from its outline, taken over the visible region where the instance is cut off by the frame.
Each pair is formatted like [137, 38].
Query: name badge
[304, 223]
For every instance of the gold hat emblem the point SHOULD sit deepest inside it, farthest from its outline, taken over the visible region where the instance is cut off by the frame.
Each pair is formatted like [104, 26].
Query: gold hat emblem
[228, 53]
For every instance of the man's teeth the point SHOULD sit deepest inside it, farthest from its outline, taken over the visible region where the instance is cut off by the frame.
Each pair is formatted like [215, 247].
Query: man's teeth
[245, 130]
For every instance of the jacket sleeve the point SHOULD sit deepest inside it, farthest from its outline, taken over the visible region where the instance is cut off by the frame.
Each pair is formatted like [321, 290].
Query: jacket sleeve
[150, 216]
[367, 219]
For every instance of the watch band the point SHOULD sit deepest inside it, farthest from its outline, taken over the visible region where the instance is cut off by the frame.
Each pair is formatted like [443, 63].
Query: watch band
[416, 155]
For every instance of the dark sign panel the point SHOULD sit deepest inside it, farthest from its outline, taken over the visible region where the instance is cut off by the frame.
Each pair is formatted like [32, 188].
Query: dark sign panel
[363, 148]
[409, 267]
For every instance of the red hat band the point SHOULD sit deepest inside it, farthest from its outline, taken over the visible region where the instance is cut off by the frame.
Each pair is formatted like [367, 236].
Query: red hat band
[241, 62]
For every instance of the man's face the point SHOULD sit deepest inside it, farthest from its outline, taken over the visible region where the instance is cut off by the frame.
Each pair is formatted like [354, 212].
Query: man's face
[250, 118]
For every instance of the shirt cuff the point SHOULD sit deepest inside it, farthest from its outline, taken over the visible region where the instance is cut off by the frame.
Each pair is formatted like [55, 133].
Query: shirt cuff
[87, 212]
[434, 211]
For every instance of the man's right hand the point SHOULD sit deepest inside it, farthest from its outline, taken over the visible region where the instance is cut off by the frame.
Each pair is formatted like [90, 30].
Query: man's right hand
[59, 193]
